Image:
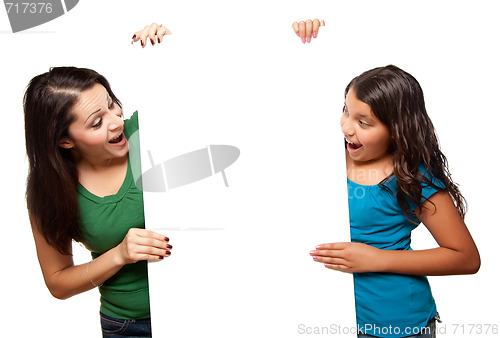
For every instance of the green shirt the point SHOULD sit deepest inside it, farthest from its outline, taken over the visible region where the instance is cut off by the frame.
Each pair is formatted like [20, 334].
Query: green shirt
[105, 221]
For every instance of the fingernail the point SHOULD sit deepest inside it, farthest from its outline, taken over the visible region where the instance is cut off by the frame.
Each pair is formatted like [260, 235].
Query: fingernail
[311, 252]
[159, 41]
[142, 44]
[323, 21]
[166, 239]
[133, 37]
[298, 34]
[169, 246]
[314, 34]
[318, 247]
[152, 42]
[167, 252]
[309, 39]
[160, 257]
[315, 258]
[303, 40]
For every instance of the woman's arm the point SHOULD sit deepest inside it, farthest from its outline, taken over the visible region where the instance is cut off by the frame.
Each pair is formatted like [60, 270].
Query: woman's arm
[64, 279]
[456, 254]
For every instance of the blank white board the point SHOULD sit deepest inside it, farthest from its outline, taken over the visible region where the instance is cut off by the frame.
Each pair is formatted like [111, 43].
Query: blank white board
[240, 264]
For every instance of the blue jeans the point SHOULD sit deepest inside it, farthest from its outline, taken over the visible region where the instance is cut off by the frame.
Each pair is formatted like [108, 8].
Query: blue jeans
[114, 327]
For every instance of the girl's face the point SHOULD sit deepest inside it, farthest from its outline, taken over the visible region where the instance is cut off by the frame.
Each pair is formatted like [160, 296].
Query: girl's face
[367, 138]
[97, 132]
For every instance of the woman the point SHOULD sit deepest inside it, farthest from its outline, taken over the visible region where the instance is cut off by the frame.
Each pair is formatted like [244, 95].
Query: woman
[80, 187]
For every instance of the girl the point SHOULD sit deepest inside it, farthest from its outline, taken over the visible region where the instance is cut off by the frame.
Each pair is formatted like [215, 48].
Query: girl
[397, 177]
[80, 188]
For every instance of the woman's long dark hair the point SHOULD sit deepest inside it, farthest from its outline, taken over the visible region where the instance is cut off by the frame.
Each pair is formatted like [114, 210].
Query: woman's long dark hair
[52, 178]
[396, 98]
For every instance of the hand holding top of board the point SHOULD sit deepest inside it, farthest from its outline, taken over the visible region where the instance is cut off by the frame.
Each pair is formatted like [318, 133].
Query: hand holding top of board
[154, 32]
[304, 30]
[307, 29]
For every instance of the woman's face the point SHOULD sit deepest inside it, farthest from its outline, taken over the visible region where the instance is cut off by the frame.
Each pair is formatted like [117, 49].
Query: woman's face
[367, 138]
[97, 132]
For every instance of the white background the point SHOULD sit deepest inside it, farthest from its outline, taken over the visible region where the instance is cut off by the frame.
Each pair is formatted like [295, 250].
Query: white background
[450, 47]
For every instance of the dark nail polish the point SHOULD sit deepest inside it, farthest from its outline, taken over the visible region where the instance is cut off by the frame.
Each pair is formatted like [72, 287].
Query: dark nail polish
[161, 257]
[168, 252]
[169, 246]
[167, 239]
[142, 43]
[133, 37]
[152, 42]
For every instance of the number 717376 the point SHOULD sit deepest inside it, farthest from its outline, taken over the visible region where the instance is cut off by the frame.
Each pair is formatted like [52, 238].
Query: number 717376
[29, 7]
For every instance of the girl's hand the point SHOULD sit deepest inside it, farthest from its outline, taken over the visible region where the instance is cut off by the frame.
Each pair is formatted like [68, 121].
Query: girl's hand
[153, 33]
[141, 245]
[305, 30]
[348, 257]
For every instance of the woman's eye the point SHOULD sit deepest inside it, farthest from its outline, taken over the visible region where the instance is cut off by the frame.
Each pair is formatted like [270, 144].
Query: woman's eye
[363, 124]
[98, 123]
[344, 111]
[111, 105]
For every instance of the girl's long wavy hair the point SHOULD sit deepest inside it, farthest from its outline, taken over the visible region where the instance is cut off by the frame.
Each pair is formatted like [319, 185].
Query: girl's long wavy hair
[52, 177]
[396, 98]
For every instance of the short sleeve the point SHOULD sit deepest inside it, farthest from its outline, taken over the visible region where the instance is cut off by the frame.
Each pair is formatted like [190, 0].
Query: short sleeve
[427, 189]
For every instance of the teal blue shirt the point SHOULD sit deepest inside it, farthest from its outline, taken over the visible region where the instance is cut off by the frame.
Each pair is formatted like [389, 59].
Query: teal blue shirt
[387, 304]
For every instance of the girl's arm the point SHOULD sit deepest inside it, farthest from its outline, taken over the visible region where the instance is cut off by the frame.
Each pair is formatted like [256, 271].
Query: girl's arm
[64, 279]
[456, 254]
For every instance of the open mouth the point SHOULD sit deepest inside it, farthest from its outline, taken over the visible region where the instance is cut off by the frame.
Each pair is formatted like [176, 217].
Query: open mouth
[353, 146]
[117, 139]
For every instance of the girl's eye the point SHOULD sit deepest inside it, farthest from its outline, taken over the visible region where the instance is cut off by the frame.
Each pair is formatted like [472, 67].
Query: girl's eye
[111, 105]
[363, 124]
[98, 123]
[344, 111]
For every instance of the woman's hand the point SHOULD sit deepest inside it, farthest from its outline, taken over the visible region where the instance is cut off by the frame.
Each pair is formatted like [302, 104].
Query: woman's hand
[153, 33]
[348, 257]
[142, 245]
[305, 30]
